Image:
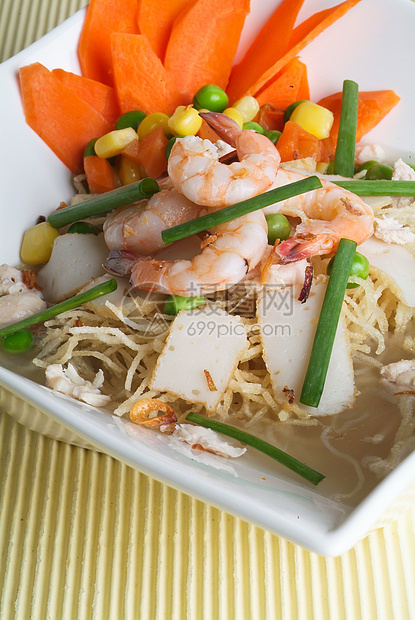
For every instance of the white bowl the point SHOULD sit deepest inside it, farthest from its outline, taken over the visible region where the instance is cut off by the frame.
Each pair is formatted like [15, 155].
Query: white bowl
[372, 45]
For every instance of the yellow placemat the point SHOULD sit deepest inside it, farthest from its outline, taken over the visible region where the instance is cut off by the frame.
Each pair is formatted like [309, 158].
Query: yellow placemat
[83, 536]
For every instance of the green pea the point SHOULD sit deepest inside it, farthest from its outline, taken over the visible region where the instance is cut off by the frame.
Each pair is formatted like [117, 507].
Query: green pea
[290, 109]
[360, 268]
[254, 126]
[130, 119]
[379, 171]
[211, 97]
[175, 303]
[169, 147]
[83, 228]
[366, 165]
[273, 135]
[18, 342]
[278, 227]
[90, 148]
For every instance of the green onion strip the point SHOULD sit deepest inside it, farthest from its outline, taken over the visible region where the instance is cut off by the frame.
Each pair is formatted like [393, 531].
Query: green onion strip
[102, 203]
[378, 187]
[73, 302]
[239, 209]
[327, 324]
[346, 140]
[282, 457]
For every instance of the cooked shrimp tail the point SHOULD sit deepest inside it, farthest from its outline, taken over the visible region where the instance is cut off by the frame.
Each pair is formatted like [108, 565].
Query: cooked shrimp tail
[298, 247]
[226, 128]
[120, 262]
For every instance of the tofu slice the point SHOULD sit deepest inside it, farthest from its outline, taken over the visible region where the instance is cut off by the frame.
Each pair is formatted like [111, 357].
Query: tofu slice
[397, 264]
[74, 261]
[201, 354]
[287, 329]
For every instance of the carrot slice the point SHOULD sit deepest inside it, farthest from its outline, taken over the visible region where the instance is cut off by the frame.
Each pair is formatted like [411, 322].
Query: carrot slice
[102, 18]
[63, 120]
[99, 174]
[270, 44]
[270, 117]
[373, 107]
[99, 96]
[301, 36]
[141, 81]
[297, 143]
[150, 152]
[203, 43]
[284, 89]
[304, 88]
[155, 20]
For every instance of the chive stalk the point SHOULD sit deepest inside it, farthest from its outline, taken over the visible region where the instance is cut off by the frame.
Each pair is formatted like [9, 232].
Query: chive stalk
[68, 304]
[282, 457]
[346, 140]
[327, 324]
[239, 209]
[98, 205]
[378, 187]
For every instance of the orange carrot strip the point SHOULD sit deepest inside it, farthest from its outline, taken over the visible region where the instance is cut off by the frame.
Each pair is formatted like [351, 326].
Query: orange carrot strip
[102, 18]
[373, 107]
[155, 19]
[99, 174]
[207, 133]
[270, 117]
[141, 81]
[301, 36]
[64, 121]
[297, 143]
[304, 88]
[150, 152]
[270, 44]
[99, 96]
[284, 89]
[203, 43]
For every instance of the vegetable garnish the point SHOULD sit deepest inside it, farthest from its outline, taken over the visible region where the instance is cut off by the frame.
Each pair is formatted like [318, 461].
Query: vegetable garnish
[68, 304]
[18, 342]
[359, 269]
[379, 171]
[282, 457]
[327, 324]
[346, 141]
[239, 209]
[378, 187]
[175, 303]
[104, 202]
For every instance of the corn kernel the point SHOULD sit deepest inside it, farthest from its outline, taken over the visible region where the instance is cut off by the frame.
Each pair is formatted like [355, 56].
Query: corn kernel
[114, 142]
[129, 171]
[152, 121]
[249, 107]
[37, 243]
[185, 121]
[313, 118]
[322, 167]
[235, 115]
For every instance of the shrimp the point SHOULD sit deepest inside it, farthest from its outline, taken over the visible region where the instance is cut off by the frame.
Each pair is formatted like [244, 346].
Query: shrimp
[332, 213]
[228, 253]
[138, 227]
[195, 170]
